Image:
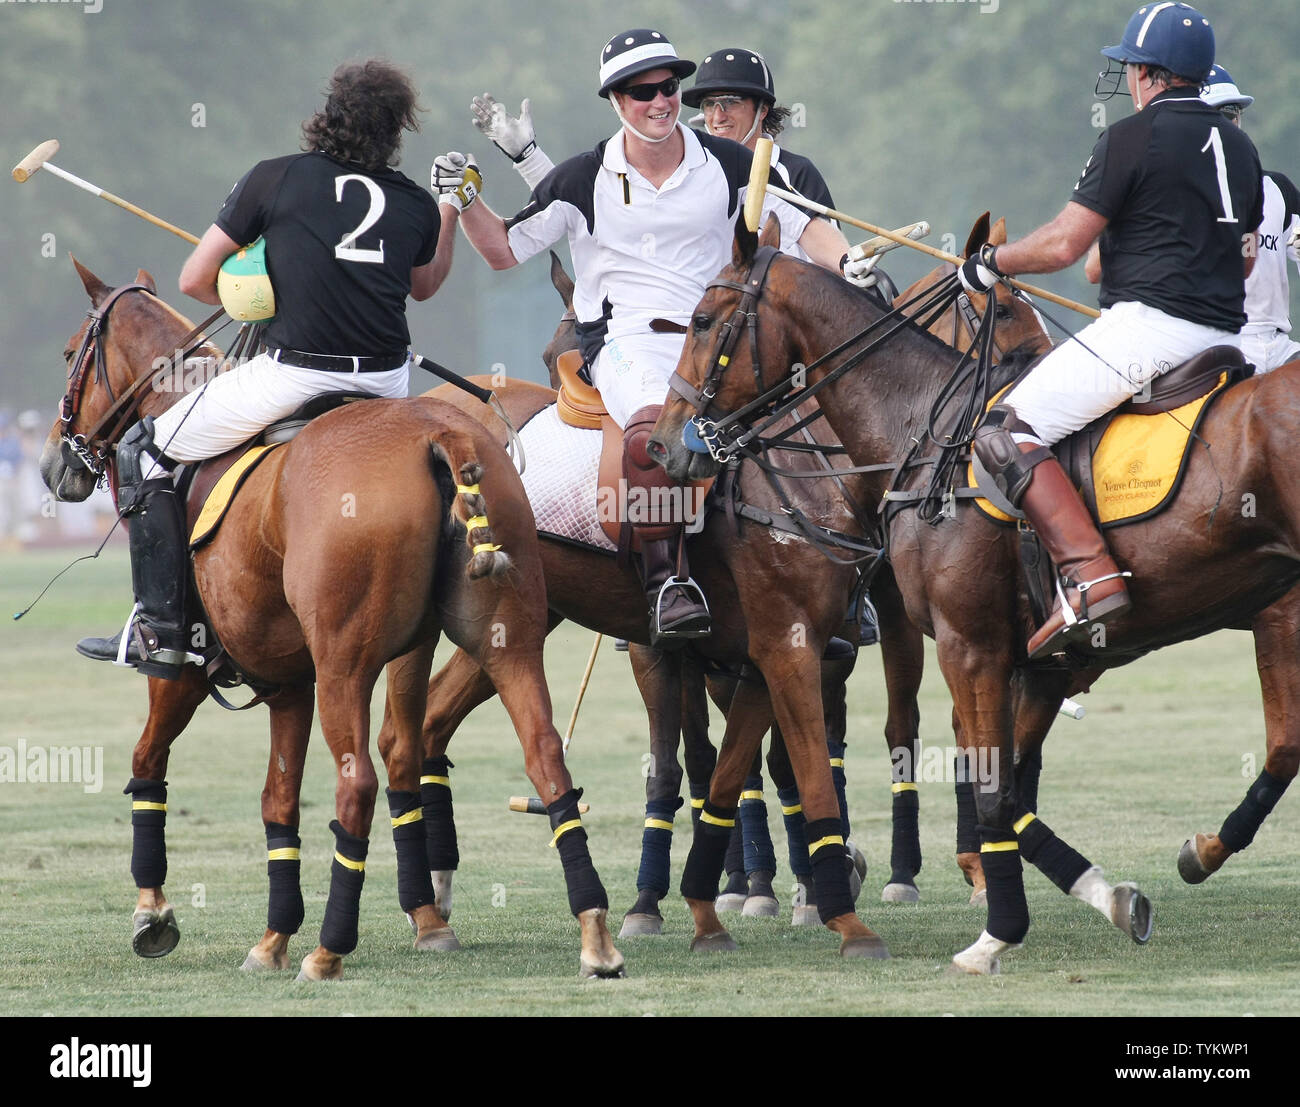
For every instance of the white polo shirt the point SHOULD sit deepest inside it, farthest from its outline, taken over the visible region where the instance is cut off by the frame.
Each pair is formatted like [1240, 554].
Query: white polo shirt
[1268, 305]
[642, 252]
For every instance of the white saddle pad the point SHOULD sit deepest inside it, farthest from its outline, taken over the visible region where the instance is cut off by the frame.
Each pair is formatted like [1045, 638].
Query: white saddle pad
[563, 466]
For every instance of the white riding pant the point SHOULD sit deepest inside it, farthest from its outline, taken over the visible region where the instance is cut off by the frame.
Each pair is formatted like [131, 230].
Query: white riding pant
[1266, 347]
[237, 405]
[632, 372]
[1131, 344]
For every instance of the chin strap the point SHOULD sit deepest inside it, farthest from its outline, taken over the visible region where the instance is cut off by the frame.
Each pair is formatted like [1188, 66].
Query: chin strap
[644, 138]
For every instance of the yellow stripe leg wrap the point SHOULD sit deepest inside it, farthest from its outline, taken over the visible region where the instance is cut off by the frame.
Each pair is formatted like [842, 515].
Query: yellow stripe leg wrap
[564, 829]
[1000, 847]
[445, 780]
[829, 840]
[412, 816]
[286, 854]
[348, 863]
[902, 786]
[658, 824]
[145, 805]
[1019, 825]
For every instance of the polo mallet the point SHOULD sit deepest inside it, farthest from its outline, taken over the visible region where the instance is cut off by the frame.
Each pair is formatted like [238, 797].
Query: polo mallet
[759, 184]
[40, 158]
[1071, 710]
[531, 804]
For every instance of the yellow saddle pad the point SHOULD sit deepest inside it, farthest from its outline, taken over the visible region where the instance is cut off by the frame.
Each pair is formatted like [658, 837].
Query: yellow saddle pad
[1136, 466]
[218, 501]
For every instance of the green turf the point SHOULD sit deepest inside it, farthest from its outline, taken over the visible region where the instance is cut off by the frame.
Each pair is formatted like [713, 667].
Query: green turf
[1168, 748]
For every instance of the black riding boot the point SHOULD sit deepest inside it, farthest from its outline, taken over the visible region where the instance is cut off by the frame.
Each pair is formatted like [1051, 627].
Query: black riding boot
[159, 568]
[677, 607]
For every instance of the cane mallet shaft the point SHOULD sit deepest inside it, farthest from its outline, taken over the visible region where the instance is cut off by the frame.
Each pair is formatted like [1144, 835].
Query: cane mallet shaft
[582, 691]
[1071, 710]
[758, 183]
[40, 159]
[531, 805]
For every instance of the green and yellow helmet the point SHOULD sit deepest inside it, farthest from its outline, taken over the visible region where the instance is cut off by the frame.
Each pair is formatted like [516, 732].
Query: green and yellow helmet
[245, 286]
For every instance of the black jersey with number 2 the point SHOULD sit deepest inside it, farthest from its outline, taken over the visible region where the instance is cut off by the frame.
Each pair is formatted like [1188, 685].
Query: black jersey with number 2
[340, 246]
[1181, 186]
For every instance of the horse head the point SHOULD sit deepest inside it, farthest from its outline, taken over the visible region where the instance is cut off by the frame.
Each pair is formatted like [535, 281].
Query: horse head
[1017, 325]
[104, 363]
[728, 359]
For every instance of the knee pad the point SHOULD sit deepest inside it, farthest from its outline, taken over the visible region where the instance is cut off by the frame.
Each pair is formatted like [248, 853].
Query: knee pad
[1000, 454]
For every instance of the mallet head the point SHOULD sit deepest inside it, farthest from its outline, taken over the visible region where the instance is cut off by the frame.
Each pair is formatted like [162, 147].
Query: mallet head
[33, 161]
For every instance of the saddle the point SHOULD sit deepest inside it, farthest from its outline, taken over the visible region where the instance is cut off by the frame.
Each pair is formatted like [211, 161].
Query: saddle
[1126, 465]
[579, 404]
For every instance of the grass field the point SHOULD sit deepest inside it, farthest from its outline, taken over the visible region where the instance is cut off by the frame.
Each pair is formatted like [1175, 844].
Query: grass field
[1167, 749]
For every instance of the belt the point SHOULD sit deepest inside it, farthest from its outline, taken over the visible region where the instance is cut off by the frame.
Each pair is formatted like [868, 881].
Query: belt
[331, 363]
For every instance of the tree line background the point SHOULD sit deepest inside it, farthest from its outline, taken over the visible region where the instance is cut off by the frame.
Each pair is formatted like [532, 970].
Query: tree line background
[912, 110]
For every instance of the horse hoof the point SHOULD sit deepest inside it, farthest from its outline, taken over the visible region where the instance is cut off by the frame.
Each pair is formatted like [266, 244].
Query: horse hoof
[980, 898]
[1189, 864]
[154, 933]
[415, 927]
[641, 925]
[872, 949]
[442, 940]
[312, 971]
[900, 893]
[761, 907]
[730, 901]
[805, 916]
[719, 942]
[606, 970]
[1131, 911]
[257, 961]
[983, 957]
[858, 873]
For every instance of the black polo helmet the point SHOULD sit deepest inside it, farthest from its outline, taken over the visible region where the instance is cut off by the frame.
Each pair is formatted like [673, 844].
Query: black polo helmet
[638, 51]
[732, 69]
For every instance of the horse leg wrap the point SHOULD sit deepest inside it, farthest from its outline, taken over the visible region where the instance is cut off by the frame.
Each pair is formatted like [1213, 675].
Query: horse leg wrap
[585, 888]
[796, 838]
[1060, 862]
[656, 847]
[1027, 774]
[699, 796]
[439, 818]
[905, 849]
[148, 831]
[759, 853]
[414, 887]
[968, 837]
[1239, 828]
[734, 863]
[830, 865]
[338, 931]
[1008, 912]
[284, 908]
[708, 847]
[836, 751]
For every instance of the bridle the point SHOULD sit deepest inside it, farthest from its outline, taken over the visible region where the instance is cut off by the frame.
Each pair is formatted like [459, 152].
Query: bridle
[91, 449]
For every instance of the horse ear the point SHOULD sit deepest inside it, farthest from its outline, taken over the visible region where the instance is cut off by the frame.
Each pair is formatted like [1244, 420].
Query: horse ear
[745, 245]
[144, 277]
[771, 235]
[96, 289]
[562, 282]
[998, 235]
[979, 234]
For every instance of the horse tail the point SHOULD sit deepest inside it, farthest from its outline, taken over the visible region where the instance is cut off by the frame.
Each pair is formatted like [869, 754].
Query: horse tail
[487, 558]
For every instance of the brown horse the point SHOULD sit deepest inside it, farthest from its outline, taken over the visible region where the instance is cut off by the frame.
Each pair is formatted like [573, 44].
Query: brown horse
[343, 553]
[960, 574]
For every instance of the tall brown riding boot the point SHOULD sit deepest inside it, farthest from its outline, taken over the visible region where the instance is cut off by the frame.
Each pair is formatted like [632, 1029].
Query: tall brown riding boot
[677, 606]
[1089, 580]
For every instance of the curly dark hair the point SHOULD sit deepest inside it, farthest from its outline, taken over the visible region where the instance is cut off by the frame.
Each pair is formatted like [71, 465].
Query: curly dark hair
[774, 121]
[368, 106]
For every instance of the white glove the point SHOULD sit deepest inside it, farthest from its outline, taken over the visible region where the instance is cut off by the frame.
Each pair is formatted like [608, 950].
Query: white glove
[861, 272]
[980, 272]
[513, 136]
[1293, 239]
[455, 179]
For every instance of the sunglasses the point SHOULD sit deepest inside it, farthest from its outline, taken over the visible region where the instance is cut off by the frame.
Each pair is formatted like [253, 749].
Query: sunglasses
[1231, 111]
[645, 93]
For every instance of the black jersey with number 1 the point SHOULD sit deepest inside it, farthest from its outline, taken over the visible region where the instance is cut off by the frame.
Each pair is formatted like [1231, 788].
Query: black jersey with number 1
[340, 246]
[1181, 187]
